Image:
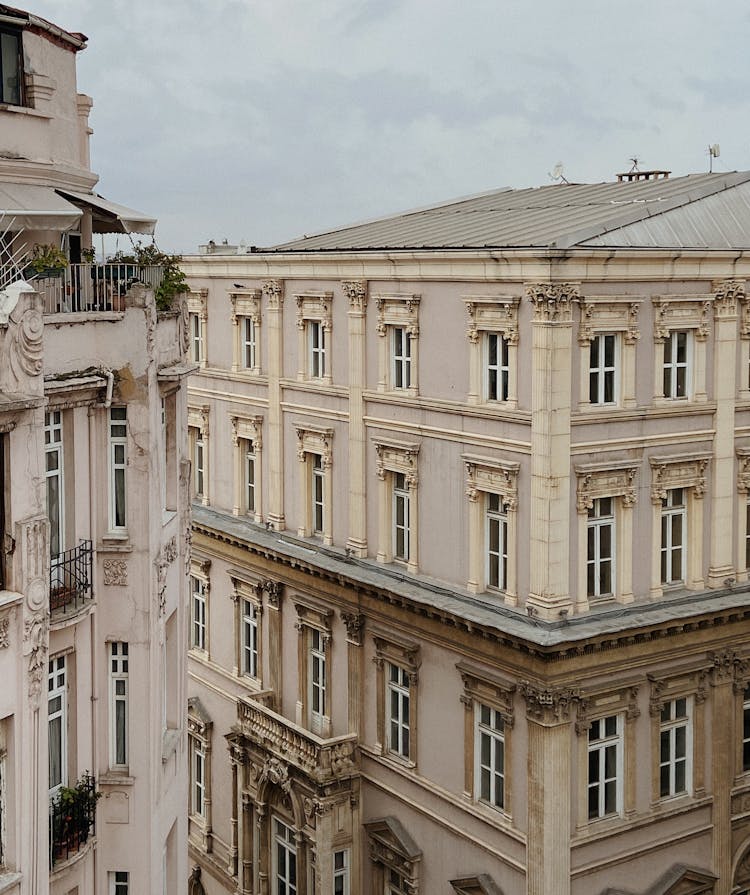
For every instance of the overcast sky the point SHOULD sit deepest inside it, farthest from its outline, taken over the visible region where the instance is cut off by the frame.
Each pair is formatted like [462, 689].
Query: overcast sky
[261, 120]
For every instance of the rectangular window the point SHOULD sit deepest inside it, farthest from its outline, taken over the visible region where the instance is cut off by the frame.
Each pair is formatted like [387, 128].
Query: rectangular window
[249, 472]
[249, 348]
[118, 688]
[53, 455]
[397, 702]
[396, 884]
[497, 369]
[497, 542]
[284, 859]
[675, 743]
[119, 882]
[673, 536]
[400, 517]
[249, 638]
[317, 491]
[199, 459]
[489, 761]
[746, 730]
[605, 767]
[317, 677]
[341, 872]
[198, 778]
[196, 338]
[316, 349]
[11, 68]
[198, 614]
[603, 369]
[600, 563]
[118, 446]
[57, 722]
[400, 358]
[676, 364]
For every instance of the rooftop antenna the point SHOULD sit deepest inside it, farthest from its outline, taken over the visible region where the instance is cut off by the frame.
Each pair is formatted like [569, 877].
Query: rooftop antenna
[713, 152]
[634, 167]
[557, 174]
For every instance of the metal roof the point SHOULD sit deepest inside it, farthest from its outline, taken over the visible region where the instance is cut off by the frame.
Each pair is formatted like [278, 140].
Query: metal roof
[695, 211]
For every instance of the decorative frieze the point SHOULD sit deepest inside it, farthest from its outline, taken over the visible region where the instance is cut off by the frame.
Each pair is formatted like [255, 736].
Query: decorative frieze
[314, 306]
[682, 471]
[691, 683]
[597, 480]
[622, 700]
[553, 301]
[398, 309]
[246, 304]
[315, 440]
[115, 572]
[248, 427]
[4, 632]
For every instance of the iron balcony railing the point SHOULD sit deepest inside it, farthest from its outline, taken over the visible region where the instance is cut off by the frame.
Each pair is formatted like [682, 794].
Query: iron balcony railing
[72, 819]
[70, 579]
[92, 287]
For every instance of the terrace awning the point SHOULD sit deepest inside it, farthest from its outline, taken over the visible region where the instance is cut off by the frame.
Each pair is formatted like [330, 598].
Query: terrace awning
[30, 207]
[109, 217]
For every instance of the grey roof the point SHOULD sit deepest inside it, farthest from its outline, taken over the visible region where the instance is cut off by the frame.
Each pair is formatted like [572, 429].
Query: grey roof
[695, 211]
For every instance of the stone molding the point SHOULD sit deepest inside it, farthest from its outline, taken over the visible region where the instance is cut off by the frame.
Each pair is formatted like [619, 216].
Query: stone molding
[246, 304]
[609, 313]
[484, 687]
[356, 292]
[553, 302]
[396, 456]
[492, 313]
[314, 440]
[490, 476]
[676, 686]
[548, 705]
[273, 290]
[728, 296]
[613, 701]
[249, 428]
[314, 306]
[673, 312]
[199, 416]
[398, 309]
[688, 471]
[743, 469]
[596, 480]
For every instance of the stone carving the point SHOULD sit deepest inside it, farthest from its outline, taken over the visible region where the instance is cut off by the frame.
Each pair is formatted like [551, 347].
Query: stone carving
[398, 458]
[727, 293]
[183, 325]
[274, 590]
[115, 572]
[165, 559]
[553, 301]
[355, 623]
[276, 772]
[33, 538]
[548, 705]
[598, 483]
[314, 441]
[492, 314]
[26, 325]
[677, 472]
[274, 292]
[356, 292]
[35, 648]
[4, 632]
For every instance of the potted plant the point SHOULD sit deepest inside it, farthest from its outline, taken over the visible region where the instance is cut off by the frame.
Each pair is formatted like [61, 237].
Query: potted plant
[47, 261]
[73, 813]
[88, 255]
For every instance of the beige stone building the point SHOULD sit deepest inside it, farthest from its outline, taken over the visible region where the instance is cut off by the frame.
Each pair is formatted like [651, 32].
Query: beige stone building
[94, 512]
[469, 596]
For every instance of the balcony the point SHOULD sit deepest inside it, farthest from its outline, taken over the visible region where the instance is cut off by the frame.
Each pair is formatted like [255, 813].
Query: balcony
[72, 819]
[70, 580]
[323, 760]
[93, 287]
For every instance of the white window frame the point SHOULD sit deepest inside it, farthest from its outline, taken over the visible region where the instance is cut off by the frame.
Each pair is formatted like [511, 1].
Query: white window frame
[285, 842]
[247, 441]
[604, 372]
[398, 723]
[246, 323]
[53, 450]
[119, 882]
[396, 460]
[489, 729]
[670, 724]
[118, 461]
[317, 494]
[315, 453]
[316, 349]
[57, 688]
[600, 744]
[198, 613]
[396, 883]
[745, 759]
[248, 479]
[671, 366]
[500, 368]
[314, 325]
[496, 518]
[317, 680]
[400, 518]
[119, 697]
[197, 778]
[249, 343]
[597, 522]
[341, 872]
[670, 512]
[249, 645]
[199, 462]
[398, 367]
[401, 359]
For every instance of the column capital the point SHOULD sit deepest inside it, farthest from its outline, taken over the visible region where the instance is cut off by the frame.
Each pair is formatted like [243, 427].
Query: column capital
[553, 301]
[356, 292]
[274, 292]
[548, 706]
[355, 623]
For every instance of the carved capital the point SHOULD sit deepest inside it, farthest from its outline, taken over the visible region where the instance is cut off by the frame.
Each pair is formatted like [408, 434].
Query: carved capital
[273, 290]
[548, 705]
[356, 292]
[553, 301]
[727, 295]
[274, 591]
[355, 623]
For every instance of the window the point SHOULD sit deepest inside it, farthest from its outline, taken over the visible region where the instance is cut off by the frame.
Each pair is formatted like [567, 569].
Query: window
[341, 878]
[119, 882]
[11, 68]
[316, 349]
[400, 358]
[247, 440]
[315, 453]
[246, 323]
[199, 460]
[395, 858]
[673, 540]
[118, 684]
[57, 721]
[497, 542]
[398, 328]
[53, 453]
[314, 629]
[196, 338]
[249, 344]
[603, 369]
[605, 767]
[675, 744]
[497, 367]
[746, 730]
[396, 884]
[400, 517]
[316, 493]
[284, 859]
[197, 778]
[118, 432]
[676, 364]
[397, 700]
[600, 530]
[317, 678]
[4, 813]
[489, 761]
[249, 638]
[198, 613]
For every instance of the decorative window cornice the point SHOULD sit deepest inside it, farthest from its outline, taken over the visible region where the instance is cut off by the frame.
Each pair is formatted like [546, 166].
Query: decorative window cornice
[314, 306]
[197, 302]
[392, 648]
[609, 313]
[553, 301]
[398, 309]
[391, 846]
[314, 440]
[598, 703]
[681, 312]
[397, 456]
[597, 480]
[743, 469]
[689, 683]
[481, 884]
[682, 471]
[493, 313]
[198, 417]
[313, 615]
[246, 304]
[199, 721]
[356, 292]
[248, 427]
[484, 687]
[484, 474]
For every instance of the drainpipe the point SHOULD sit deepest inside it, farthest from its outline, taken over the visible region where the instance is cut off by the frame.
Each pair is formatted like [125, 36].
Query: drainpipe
[93, 617]
[110, 385]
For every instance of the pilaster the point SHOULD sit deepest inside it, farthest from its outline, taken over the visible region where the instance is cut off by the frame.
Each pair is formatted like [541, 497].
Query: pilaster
[722, 741]
[273, 590]
[354, 622]
[273, 292]
[356, 292]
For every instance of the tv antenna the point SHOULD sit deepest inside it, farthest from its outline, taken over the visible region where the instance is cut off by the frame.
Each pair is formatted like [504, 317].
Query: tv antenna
[713, 152]
[557, 174]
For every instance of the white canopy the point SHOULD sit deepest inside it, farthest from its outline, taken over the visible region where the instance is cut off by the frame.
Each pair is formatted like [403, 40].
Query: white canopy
[109, 217]
[32, 207]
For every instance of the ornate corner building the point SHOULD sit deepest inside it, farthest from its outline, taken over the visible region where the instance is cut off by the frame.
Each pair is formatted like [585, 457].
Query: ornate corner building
[94, 511]
[471, 546]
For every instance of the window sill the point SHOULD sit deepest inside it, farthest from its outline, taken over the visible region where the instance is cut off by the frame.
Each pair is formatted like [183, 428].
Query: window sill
[169, 740]
[9, 879]
[116, 541]
[24, 110]
[117, 778]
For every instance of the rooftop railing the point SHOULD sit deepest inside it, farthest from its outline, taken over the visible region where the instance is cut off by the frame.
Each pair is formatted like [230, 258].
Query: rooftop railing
[93, 287]
[70, 579]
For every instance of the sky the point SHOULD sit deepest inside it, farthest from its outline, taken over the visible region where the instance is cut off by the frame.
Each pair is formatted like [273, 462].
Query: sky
[262, 120]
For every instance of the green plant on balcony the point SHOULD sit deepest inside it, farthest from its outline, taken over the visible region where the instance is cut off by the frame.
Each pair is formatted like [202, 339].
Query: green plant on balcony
[88, 255]
[173, 281]
[72, 814]
[46, 261]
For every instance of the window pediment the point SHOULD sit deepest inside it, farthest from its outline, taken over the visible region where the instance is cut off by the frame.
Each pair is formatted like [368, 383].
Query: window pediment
[314, 306]
[484, 687]
[246, 304]
[397, 456]
[398, 309]
[393, 847]
[492, 477]
[609, 313]
[249, 427]
[314, 440]
[482, 884]
[683, 471]
[198, 417]
[495, 313]
[596, 480]
[197, 302]
[681, 312]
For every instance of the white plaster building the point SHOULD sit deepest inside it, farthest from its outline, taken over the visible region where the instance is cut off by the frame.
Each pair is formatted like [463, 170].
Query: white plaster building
[94, 515]
[470, 549]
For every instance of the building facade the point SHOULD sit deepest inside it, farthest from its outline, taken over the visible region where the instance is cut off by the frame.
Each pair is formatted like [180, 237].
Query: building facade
[94, 512]
[470, 549]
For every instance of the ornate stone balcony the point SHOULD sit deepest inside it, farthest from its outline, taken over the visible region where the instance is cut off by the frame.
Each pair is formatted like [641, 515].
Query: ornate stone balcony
[320, 759]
